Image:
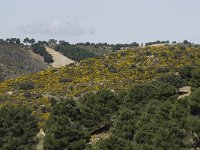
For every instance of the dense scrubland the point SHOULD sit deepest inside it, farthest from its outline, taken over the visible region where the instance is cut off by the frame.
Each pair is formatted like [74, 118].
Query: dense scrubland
[125, 100]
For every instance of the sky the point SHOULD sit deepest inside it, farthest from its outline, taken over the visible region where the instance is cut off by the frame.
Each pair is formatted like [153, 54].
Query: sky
[107, 21]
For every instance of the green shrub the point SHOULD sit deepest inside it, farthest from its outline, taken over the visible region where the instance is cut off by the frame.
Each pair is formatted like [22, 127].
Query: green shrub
[39, 49]
[163, 69]
[65, 80]
[63, 129]
[98, 109]
[74, 52]
[27, 85]
[172, 79]
[18, 128]
[115, 143]
[185, 72]
[195, 73]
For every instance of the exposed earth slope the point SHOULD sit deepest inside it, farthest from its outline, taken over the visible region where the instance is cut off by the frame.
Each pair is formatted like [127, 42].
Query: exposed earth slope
[59, 59]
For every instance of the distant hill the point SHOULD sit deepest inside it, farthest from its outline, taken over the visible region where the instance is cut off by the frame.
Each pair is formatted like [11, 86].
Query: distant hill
[16, 60]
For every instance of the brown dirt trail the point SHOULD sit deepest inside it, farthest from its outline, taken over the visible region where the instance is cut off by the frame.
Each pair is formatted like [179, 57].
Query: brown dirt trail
[59, 59]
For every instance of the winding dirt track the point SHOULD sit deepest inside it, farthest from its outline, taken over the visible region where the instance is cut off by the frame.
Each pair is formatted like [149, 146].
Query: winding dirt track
[59, 59]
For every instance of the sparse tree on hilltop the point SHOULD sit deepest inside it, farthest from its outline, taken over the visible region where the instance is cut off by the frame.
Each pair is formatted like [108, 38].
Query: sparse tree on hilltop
[52, 42]
[32, 41]
[62, 42]
[26, 40]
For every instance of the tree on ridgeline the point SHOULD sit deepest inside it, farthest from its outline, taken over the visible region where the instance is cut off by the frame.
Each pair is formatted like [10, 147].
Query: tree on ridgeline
[52, 42]
[62, 42]
[32, 41]
[26, 40]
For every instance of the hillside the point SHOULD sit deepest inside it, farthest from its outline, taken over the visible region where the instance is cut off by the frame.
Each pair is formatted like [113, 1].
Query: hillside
[115, 71]
[142, 98]
[118, 71]
[16, 60]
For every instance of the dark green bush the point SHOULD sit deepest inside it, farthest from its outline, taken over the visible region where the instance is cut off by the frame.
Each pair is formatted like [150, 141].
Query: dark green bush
[115, 143]
[64, 80]
[185, 72]
[172, 79]
[27, 85]
[18, 128]
[163, 69]
[195, 73]
[98, 109]
[74, 52]
[39, 49]
[63, 129]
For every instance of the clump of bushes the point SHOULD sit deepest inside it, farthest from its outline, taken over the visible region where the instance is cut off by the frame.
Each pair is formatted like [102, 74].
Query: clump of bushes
[32, 95]
[65, 80]
[63, 129]
[74, 52]
[18, 128]
[39, 49]
[26, 85]
[163, 69]
[175, 80]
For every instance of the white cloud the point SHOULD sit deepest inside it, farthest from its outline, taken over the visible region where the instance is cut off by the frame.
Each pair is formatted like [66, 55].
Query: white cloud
[55, 27]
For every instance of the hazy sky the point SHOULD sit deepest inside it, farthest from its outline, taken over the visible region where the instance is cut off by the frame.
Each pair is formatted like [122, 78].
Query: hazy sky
[112, 21]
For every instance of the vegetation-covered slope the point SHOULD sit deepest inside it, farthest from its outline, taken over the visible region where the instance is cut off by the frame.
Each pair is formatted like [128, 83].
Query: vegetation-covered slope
[148, 116]
[16, 60]
[139, 109]
[117, 71]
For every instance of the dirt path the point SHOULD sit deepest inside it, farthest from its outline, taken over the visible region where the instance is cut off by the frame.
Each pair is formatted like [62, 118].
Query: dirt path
[40, 145]
[186, 91]
[59, 59]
